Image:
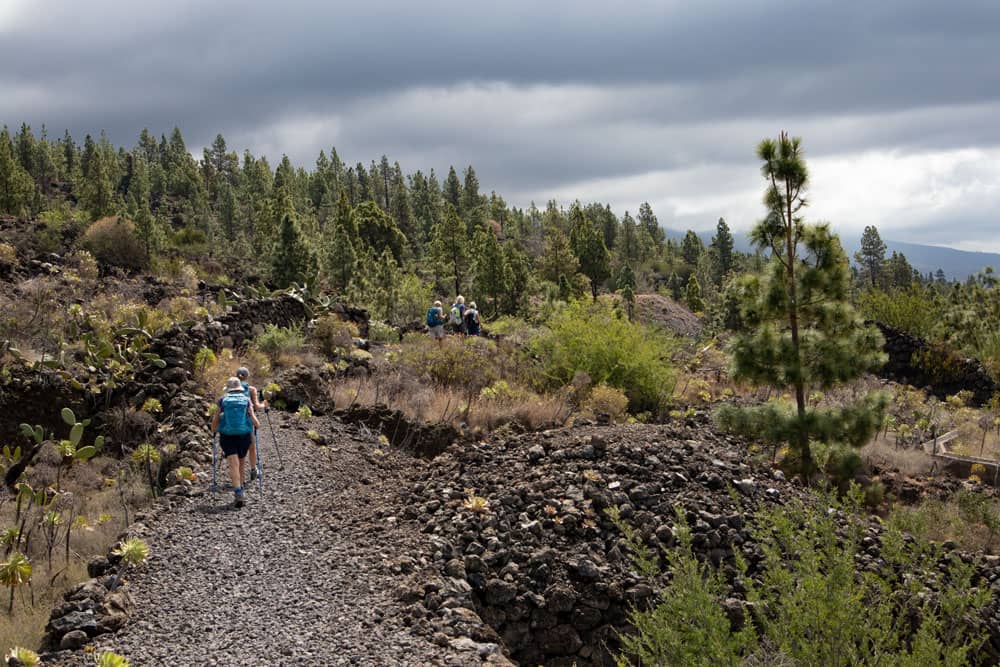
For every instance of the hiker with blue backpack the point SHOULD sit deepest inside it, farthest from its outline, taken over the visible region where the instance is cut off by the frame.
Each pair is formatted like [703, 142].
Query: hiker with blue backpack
[243, 373]
[436, 322]
[235, 422]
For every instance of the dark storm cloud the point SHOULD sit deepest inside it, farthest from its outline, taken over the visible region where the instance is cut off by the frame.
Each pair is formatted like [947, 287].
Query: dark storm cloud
[535, 95]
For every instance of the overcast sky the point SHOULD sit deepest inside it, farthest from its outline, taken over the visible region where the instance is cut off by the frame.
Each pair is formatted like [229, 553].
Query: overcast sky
[897, 101]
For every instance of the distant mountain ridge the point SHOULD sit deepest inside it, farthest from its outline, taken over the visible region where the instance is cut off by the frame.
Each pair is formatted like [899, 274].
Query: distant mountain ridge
[956, 264]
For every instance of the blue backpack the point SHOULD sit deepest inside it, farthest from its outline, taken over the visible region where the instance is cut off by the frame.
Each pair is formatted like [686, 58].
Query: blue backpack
[234, 419]
[432, 317]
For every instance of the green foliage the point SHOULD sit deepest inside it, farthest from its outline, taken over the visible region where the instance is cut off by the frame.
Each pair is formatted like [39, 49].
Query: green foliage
[609, 401]
[16, 187]
[381, 332]
[871, 257]
[114, 243]
[304, 412]
[293, 261]
[276, 341]
[18, 655]
[449, 248]
[204, 359]
[808, 603]
[110, 659]
[915, 309]
[590, 337]
[468, 364]
[15, 572]
[692, 295]
[132, 551]
[802, 332]
[145, 454]
[587, 242]
[334, 335]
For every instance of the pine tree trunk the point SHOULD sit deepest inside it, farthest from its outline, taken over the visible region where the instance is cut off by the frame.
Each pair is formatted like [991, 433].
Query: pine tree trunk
[793, 322]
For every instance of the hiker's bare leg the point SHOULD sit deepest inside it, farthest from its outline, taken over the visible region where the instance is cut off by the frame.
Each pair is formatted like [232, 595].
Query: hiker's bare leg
[235, 472]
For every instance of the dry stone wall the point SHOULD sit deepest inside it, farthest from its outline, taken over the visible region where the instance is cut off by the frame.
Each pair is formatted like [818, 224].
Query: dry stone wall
[942, 371]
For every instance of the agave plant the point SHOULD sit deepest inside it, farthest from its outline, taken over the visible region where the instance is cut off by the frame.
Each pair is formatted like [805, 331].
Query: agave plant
[24, 657]
[15, 572]
[132, 552]
[110, 659]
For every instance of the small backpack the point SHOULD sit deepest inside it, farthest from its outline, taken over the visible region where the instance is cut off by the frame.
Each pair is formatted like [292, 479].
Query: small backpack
[234, 419]
[456, 315]
[432, 317]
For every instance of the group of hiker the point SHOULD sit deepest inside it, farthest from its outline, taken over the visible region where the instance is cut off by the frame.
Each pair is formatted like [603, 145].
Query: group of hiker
[461, 319]
[236, 422]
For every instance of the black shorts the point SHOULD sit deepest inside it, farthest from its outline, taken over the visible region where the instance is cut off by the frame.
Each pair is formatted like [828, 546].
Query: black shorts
[237, 445]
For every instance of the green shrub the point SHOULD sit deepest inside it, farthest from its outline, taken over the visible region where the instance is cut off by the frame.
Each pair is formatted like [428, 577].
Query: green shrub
[334, 335]
[809, 601]
[381, 332]
[915, 309]
[605, 400]
[8, 255]
[113, 243]
[276, 341]
[588, 336]
[467, 364]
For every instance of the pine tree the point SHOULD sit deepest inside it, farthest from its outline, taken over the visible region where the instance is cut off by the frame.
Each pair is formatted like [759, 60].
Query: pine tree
[385, 287]
[453, 191]
[377, 229]
[649, 223]
[871, 256]
[626, 287]
[449, 248]
[722, 243]
[803, 333]
[520, 275]
[692, 295]
[16, 187]
[628, 241]
[587, 242]
[138, 204]
[98, 195]
[293, 262]
[341, 258]
[557, 259]
[492, 274]
[691, 248]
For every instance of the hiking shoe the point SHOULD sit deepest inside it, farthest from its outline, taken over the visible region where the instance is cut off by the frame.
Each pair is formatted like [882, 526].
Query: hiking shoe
[254, 474]
[238, 501]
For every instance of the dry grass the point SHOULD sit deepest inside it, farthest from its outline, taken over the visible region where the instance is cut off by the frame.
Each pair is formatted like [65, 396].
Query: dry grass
[907, 460]
[93, 513]
[426, 402]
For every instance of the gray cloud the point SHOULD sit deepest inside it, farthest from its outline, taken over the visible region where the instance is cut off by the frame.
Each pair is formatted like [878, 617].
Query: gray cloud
[540, 97]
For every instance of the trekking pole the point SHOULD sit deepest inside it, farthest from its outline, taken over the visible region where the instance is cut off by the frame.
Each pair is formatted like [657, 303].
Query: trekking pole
[260, 468]
[267, 413]
[213, 465]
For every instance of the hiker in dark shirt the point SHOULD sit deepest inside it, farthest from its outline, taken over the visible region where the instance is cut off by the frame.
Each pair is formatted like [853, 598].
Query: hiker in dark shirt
[472, 319]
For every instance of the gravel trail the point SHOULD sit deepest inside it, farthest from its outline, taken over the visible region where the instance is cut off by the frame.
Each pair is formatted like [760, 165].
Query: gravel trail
[300, 576]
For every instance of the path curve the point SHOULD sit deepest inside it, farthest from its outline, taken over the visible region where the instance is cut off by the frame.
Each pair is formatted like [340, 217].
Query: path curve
[300, 576]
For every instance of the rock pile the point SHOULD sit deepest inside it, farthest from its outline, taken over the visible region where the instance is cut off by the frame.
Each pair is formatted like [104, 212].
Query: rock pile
[518, 530]
[916, 362]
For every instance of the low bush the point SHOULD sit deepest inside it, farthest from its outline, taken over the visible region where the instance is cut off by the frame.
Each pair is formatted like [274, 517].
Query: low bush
[113, 243]
[808, 602]
[589, 336]
[608, 401]
[334, 336]
[277, 341]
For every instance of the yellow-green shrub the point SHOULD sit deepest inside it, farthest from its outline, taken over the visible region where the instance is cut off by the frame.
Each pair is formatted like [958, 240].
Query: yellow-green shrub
[605, 400]
[591, 337]
[334, 335]
[113, 243]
